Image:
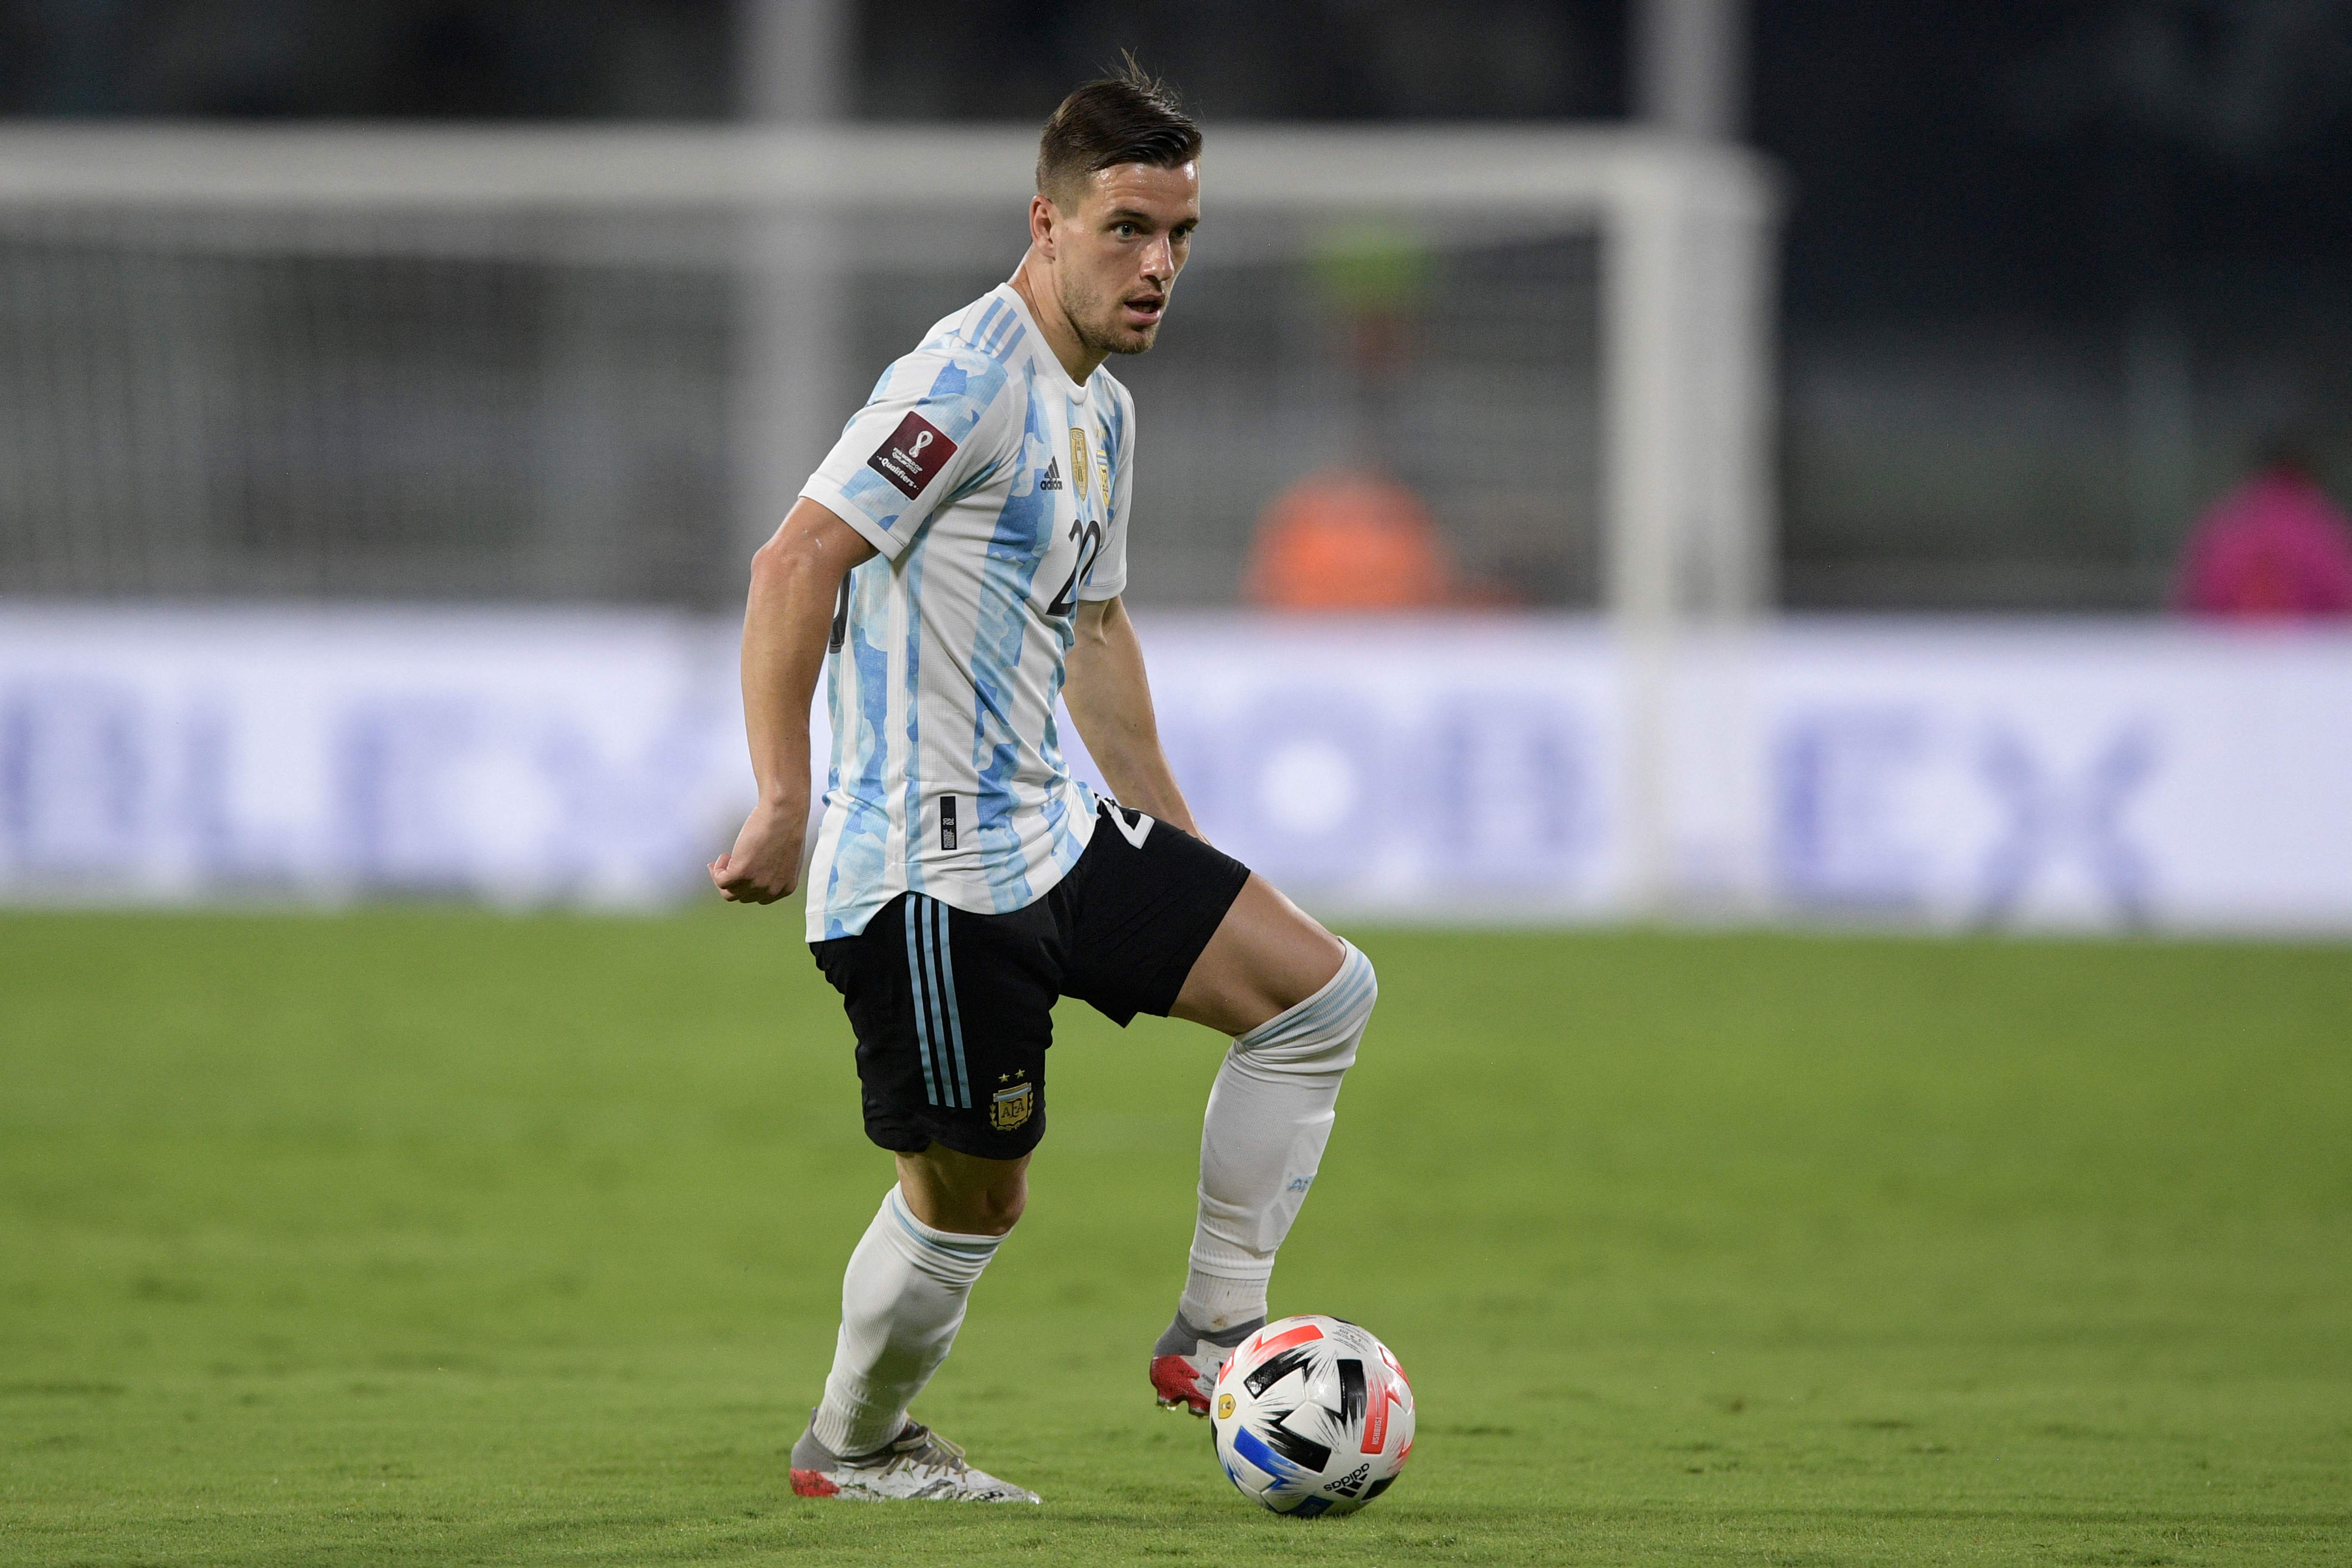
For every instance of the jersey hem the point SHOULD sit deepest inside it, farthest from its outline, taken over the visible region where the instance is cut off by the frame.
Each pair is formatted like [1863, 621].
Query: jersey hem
[1044, 880]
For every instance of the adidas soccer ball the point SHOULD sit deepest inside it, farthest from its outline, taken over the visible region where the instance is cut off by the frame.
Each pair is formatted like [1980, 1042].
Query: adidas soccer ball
[1312, 1415]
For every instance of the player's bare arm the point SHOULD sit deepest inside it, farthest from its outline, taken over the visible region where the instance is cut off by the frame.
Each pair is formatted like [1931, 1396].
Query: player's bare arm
[1268, 953]
[795, 583]
[1109, 698]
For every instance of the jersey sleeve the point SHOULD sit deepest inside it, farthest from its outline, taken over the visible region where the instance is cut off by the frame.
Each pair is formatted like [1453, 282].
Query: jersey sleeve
[926, 434]
[1108, 578]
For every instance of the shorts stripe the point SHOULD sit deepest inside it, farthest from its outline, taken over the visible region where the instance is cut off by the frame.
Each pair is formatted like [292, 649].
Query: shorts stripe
[922, 1016]
[937, 1023]
[946, 972]
[932, 1004]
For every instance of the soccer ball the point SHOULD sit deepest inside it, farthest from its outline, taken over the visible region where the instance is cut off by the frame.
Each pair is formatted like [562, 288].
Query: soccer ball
[1312, 1415]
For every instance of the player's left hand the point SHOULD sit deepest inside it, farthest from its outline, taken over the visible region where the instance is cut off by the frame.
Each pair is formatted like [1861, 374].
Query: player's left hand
[765, 864]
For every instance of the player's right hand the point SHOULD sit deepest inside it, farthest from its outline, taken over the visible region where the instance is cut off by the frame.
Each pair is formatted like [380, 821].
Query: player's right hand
[765, 864]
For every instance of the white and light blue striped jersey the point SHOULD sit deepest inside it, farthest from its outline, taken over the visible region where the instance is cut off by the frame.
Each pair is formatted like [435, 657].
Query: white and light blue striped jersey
[996, 489]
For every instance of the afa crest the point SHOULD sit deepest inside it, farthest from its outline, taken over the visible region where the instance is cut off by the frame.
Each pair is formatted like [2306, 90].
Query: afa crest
[1080, 464]
[1010, 1108]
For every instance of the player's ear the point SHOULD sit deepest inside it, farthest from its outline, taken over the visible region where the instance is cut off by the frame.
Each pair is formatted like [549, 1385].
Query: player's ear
[1043, 217]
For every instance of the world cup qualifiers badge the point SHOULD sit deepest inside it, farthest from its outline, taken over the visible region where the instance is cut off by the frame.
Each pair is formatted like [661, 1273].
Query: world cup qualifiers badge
[913, 456]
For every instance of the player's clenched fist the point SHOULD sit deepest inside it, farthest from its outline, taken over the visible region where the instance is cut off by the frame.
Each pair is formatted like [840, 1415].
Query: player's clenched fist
[765, 863]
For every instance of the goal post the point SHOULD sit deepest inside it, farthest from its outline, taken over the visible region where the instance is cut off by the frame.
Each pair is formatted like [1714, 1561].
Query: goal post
[735, 268]
[1687, 233]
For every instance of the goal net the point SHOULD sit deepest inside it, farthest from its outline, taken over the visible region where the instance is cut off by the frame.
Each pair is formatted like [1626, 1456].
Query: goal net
[568, 366]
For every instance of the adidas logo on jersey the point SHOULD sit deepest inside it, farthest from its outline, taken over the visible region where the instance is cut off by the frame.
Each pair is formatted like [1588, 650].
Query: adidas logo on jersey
[1053, 479]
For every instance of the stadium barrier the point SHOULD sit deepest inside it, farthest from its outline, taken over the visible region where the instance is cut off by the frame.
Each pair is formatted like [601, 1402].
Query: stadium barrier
[2070, 775]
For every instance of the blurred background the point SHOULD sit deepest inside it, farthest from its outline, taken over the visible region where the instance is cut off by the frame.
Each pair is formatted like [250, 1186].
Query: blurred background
[1615, 469]
[1962, 310]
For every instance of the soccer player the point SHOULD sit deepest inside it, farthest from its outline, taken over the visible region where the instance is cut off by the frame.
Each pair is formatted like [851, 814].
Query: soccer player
[961, 553]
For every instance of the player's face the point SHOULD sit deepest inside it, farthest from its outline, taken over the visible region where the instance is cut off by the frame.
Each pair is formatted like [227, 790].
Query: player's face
[1118, 252]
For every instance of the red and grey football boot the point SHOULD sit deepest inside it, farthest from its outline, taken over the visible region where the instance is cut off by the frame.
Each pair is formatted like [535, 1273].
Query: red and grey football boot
[1186, 1361]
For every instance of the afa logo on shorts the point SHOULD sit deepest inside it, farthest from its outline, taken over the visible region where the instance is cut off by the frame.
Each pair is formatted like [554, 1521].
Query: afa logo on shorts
[1010, 1108]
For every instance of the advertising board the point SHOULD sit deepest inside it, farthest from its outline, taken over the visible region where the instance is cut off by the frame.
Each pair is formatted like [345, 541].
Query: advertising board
[2070, 775]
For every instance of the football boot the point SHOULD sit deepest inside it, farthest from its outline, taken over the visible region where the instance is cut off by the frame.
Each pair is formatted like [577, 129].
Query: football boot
[1186, 1361]
[917, 1464]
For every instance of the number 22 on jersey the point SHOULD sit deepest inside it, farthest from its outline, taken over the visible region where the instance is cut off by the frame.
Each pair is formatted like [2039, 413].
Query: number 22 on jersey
[1087, 532]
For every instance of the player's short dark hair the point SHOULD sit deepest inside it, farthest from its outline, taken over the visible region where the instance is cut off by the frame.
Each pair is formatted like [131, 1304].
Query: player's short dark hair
[1128, 118]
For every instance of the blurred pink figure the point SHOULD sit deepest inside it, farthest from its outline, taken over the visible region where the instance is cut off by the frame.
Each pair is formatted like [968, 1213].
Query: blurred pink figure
[2274, 547]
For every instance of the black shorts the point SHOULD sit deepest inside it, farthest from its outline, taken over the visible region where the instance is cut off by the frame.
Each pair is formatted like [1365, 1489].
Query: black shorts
[953, 1011]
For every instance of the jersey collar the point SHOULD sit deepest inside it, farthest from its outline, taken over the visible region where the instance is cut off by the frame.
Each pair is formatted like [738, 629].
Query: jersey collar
[1038, 349]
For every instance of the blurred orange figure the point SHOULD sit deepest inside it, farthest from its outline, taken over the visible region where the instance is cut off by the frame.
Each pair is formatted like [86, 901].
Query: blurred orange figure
[1343, 540]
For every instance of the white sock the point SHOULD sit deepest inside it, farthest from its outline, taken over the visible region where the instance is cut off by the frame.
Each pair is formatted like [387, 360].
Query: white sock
[902, 1301]
[1269, 1117]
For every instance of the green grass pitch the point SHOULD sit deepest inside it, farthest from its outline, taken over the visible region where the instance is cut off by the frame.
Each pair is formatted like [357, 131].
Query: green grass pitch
[446, 1238]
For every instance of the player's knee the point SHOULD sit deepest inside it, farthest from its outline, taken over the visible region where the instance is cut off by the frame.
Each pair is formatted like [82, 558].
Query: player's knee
[961, 1193]
[1320, 1034]
[993, 1209]
[1003, 1208]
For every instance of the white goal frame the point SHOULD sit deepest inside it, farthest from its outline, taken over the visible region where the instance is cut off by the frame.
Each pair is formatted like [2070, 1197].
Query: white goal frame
[1688, 245]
